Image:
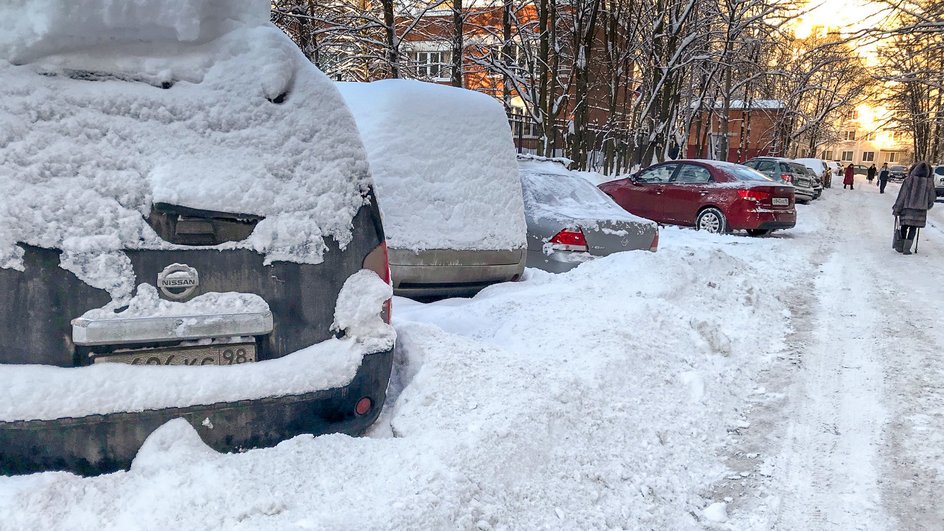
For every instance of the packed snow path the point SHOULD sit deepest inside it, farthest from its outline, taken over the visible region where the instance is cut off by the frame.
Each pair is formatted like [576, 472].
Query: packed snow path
[725, 382]
[861, 419]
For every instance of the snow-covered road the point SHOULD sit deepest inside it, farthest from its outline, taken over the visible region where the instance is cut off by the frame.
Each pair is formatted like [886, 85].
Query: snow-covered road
[857, 429]
[724, 382]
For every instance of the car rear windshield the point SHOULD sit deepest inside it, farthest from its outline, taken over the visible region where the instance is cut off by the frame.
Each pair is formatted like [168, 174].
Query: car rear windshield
[743, 173]
[939, 170]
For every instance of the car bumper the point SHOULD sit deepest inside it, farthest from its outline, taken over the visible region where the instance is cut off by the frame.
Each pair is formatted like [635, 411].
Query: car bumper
[557, 261]
[452, 273]
[764, 220]
[939, 191]
[99, 444]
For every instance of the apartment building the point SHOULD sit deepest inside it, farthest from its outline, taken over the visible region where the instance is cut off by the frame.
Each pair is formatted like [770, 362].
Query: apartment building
[867, 136]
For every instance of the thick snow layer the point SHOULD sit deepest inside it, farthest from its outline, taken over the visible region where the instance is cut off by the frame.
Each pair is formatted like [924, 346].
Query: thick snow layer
[443, 161]
[89, 140]
[355, 312]
[43, 392]
[638, 391]
[147, 303]
[553, 192]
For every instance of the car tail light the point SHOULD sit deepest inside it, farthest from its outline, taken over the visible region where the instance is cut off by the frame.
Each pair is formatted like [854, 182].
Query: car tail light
[786, 177]
[655, 242]
[569, 240]
[378, 262]
[754, 195]
[363, 406]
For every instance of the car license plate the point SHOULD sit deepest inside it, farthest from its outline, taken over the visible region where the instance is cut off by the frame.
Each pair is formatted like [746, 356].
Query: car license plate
[781, 201]
[225, 354]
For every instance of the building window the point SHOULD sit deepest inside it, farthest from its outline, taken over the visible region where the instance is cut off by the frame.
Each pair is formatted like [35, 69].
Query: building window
[847, 156]
[432, 65]
[891, 157]
[870, 136]
[868, 156]
[827, 155]
[848, 135]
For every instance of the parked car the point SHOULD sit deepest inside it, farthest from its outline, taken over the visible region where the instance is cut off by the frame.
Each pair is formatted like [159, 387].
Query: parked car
[939, 180]
[817, 182]
[445, 167]
[820, 167]
[708, 195]
[786, 171]
[860, 169]
[571, 221]
[223, 220]
[897, 173]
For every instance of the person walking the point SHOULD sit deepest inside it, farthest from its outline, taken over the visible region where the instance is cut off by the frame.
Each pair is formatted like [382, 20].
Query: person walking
[870, 175]
[914, 200]
[849, 180]
[883, 178]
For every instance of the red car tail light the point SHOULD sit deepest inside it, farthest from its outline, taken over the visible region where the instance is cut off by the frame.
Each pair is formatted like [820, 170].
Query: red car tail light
[754, 195]
[569, 240]
[379, 262]
[363, 406]
[786, 177]
[655, 242]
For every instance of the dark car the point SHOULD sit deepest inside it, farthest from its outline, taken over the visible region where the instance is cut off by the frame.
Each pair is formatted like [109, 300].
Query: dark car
[708, 195]
[897, 173]
[190, 250]
[787, 171]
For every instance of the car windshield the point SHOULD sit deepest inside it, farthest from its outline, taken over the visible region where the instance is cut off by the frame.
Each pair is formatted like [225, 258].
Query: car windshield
[897, 168]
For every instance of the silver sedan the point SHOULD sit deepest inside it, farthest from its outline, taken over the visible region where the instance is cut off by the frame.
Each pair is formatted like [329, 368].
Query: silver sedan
[571, 221]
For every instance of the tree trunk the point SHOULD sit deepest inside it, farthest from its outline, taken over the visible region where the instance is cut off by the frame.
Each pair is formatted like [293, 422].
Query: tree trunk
[457, 44]
[393, 59]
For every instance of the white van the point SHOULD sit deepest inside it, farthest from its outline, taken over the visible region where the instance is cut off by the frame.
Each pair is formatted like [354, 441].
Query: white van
[446, 175]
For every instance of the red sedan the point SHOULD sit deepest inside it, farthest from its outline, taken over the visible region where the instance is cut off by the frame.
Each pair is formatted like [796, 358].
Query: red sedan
[708, 195]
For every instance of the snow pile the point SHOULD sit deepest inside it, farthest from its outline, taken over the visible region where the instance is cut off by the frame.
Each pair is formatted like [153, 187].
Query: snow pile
[444, 164]
[552, 192]
[356, 314]
[147, 303]
[33, 28]
[594, 399]
[198, 103]
[44, 392]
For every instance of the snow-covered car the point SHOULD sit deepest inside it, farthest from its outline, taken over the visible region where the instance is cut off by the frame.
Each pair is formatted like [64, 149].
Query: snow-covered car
[939, 180]
[445, 167]
[820, 167]
[187, 229]
[571, 221]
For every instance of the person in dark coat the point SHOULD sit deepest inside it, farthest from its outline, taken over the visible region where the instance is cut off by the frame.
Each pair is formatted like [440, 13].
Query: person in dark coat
[915, 198]
[850, 178]
[870, 175]
[883, 178]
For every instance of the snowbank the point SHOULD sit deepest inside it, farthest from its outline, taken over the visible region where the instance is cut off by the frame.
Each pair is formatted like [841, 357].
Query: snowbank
[444, 164]
[108, 107]
[553, 192]
[44, 392]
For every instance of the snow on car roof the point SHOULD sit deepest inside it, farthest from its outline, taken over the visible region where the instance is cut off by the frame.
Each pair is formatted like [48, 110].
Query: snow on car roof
[443, 161]
[109, 107]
